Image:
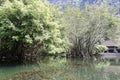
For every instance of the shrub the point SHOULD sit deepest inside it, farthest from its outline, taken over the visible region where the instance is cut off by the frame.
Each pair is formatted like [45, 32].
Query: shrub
[100, 48]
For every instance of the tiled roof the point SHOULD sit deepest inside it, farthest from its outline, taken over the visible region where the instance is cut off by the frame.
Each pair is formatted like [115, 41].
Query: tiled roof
[111, 43]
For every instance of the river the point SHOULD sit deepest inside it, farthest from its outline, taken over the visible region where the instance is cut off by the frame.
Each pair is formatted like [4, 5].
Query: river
[63, 69]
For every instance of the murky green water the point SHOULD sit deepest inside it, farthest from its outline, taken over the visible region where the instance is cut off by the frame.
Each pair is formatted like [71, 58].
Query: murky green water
[63, 69]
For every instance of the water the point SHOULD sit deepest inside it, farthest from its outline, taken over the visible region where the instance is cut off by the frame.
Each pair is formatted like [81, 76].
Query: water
[63, 69]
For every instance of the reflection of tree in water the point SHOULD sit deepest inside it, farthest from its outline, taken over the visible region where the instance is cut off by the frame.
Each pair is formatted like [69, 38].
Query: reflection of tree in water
[68, 69]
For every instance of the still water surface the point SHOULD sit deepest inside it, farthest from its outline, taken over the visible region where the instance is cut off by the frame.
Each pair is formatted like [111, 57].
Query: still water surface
[63, 69]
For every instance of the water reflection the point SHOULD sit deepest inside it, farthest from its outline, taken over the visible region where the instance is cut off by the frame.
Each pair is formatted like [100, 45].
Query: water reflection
[66, 69]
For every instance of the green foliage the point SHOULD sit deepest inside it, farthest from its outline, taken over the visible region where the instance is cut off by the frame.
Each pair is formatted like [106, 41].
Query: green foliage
[88, 26]
[28, 23]
[100, 48]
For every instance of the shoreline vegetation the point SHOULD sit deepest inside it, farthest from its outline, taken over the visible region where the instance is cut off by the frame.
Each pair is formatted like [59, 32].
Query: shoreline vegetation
[33, 28]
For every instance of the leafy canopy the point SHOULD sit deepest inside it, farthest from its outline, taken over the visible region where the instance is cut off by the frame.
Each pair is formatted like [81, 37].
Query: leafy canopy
[31, 22]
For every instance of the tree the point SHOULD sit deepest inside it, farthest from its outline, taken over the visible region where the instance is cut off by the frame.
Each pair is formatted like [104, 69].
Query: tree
[28, 28]
[88, 26]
